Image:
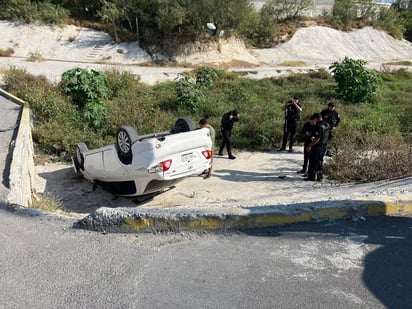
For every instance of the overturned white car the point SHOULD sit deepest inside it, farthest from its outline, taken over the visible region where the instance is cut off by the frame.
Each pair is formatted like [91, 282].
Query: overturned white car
[140, 165]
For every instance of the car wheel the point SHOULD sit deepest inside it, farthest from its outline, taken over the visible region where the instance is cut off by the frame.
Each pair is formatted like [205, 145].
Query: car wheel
[184, 124]
[81, 148]
[126, 136]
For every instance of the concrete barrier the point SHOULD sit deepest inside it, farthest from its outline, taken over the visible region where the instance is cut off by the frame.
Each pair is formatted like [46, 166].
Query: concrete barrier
[135, 220]
[22, 172]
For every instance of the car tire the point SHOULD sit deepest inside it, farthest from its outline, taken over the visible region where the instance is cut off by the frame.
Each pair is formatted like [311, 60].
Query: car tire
[126, 136]
[78, 159]
[184, 124]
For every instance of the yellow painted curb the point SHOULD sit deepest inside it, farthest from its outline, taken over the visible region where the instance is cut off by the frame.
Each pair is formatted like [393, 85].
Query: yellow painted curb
[241, 219]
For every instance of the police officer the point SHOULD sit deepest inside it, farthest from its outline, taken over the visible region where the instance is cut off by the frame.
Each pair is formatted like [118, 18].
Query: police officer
[317, 147]
[331, 116]
[292, 110]
[307, 132]
[228, 120]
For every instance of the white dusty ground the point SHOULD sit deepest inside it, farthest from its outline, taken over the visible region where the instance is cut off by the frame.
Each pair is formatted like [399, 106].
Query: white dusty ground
[66, 47]
[253, 178]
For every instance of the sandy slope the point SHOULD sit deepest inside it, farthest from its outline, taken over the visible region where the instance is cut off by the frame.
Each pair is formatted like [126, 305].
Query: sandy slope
[314, 44]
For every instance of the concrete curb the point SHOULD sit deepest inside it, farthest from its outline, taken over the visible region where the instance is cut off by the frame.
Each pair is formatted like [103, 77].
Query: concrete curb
[22, 172]
[160, 220]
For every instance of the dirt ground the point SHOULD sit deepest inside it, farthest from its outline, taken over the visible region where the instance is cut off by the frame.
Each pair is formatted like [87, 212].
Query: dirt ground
[254, 179]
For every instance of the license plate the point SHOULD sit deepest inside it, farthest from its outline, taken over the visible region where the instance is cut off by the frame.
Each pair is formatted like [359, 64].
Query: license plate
[187, 157]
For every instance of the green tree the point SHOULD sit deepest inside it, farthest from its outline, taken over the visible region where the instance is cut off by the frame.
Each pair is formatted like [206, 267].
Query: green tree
[404, 7]
[259, 28]
[390, 20]
[289, 9]
[343, 13]
[355, 83]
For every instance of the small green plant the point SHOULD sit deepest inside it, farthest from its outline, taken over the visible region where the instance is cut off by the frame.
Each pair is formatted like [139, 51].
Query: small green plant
[355, 83]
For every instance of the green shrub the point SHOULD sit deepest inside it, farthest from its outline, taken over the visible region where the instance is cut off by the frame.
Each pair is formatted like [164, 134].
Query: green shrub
[21, 83]
[29, 11]
[205, 76]
[88, 90]
[188, 95]
[355, 83]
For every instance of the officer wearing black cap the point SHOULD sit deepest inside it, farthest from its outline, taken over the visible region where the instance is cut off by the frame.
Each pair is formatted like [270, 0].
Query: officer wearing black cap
[331, 116]
[228, 120]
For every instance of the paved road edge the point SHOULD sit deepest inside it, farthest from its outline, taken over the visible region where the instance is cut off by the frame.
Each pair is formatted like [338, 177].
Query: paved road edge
[158, 220]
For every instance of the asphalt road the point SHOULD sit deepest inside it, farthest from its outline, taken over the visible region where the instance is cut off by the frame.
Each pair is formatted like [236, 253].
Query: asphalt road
[364, 264]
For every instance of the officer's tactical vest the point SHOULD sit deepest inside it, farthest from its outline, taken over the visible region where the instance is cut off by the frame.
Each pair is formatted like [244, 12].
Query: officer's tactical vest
[325, 132]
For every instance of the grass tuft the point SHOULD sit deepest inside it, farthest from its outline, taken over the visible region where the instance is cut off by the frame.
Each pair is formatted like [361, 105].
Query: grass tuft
[6, 52]
[46, 202]
[35, 57]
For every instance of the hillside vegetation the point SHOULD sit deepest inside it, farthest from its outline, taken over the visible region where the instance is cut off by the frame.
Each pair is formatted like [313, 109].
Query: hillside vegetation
[166, 23]
[373, 141]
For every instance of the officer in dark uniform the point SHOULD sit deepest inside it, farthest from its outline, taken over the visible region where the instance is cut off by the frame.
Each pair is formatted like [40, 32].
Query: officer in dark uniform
[228, 120]
[307, 132]
[292, 110]
[317, 147]
[331, 116]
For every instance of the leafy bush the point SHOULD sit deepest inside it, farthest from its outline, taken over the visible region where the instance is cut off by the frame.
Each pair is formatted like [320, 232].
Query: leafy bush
[205, 76]
[29, 11]
[188, 96]
[355, 83]
[88, 90]
[21, 83]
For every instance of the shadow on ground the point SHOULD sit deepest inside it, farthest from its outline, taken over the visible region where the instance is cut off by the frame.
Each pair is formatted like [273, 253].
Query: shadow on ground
[387, 270]
[79, 195]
